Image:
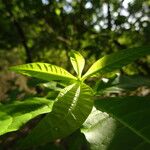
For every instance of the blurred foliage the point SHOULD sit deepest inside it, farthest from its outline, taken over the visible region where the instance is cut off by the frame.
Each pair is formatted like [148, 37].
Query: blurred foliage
[96, 27]
[45, 30]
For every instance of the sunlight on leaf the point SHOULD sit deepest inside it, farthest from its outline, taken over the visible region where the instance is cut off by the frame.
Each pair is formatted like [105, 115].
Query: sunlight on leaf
[70, 110]
[133, 112]
[105, 133]
[16, 114]
[77, 61]
[116, 61]
[43, 71]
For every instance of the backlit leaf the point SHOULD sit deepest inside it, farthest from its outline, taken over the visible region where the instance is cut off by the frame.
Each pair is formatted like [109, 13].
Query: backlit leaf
[16, 114]
[77, 61]
[72, 107]
[116, 61]
[43, 71]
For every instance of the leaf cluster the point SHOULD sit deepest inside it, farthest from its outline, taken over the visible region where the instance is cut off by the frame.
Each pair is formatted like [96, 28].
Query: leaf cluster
[107, 123]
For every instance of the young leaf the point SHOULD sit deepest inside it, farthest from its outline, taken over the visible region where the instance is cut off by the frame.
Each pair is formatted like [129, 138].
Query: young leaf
[116, 61]
[16, 114]
[77, 61]
[72, 107]
[132, 112]
[43, 71]
[105, 133]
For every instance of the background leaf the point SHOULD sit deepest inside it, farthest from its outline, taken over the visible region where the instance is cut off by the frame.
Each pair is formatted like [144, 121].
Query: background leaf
[76, 141]
[16, 114]
[131, 82]
[77, 61]
[72, 107]
[121, 83]
[116, 60]
[43, 71]
[105, 133]
[132, 112]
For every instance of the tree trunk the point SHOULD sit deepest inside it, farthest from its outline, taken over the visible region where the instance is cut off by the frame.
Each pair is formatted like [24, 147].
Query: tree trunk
[108, 16]
[19, 29]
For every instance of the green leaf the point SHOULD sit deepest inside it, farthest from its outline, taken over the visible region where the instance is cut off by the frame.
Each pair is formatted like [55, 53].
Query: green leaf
[77, 61]
[116, 60]
[131, 82]
[44, 71]
[133, 112]
[76, 141]
[121, 83]
[72, 107]
[105, 133]
[16, 114]
[97, 131]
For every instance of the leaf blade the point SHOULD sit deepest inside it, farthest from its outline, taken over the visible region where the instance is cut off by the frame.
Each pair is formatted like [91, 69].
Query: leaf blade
[105, 133]
[66, 117]
[16, 114]
[132, 112]
[116, 60]
[77, 61]
[43, 71]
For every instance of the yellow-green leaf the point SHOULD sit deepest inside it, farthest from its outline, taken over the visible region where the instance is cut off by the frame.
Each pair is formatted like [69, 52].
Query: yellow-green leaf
[77, 61]
[116, 61]
[44, 71]
[16, 114]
